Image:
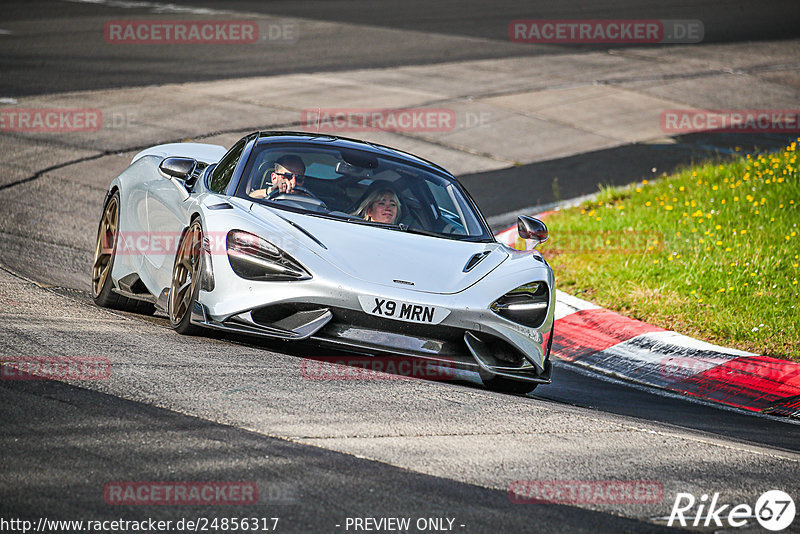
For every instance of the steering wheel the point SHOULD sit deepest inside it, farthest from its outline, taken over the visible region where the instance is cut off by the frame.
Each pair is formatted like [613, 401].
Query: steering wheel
[298, 194]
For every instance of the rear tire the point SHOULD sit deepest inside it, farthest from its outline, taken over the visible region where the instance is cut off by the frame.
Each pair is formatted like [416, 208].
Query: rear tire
[103, 263]
[506, 385]
[185, 284]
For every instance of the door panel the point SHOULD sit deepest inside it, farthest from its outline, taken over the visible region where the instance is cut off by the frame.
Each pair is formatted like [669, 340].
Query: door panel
[167, 217]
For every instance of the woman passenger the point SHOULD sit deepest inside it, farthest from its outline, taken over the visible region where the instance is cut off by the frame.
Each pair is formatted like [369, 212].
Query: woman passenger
[382, 206]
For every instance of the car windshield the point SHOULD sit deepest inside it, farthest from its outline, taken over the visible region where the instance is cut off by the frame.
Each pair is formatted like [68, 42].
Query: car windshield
[361, 187]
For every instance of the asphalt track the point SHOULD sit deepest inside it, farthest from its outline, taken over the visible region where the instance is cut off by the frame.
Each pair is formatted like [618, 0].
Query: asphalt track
[54, 46]
[226, 408]
[309, 489]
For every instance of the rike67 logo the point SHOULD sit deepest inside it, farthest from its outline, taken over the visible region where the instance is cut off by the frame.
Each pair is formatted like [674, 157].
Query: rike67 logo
[774, 510]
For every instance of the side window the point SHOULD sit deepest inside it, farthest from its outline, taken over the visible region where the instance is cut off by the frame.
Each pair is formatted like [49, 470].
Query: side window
[224, 170]
[443, 200]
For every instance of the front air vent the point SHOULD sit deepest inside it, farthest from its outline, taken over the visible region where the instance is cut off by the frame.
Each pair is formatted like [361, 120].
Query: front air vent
[475, 260]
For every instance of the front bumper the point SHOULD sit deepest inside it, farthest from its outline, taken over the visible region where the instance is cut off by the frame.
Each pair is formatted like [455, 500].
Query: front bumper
[327, 312]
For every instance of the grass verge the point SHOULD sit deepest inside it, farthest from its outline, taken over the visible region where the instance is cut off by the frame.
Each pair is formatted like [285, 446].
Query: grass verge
[711, 252]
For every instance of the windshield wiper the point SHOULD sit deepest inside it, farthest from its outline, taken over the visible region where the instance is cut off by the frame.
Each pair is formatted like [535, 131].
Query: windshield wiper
[334, 216]
[456, 237]
[474, 239]
[420, 231]
[397, 227]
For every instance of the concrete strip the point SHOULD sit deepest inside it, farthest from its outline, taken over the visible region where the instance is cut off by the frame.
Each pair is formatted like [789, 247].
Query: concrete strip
[520, 139]
[607, 111]
[509, 111]
[709, 93]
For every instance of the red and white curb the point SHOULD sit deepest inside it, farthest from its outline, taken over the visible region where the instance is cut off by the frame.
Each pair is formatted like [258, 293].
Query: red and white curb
[610, 343]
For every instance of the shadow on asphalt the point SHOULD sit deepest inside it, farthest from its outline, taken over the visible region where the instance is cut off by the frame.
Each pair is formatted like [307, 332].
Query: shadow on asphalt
[67, 443]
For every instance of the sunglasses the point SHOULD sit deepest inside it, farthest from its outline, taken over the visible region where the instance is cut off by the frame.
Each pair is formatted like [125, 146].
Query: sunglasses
[290, 175]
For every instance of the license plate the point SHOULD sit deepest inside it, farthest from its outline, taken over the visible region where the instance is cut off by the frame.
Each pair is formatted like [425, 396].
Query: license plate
[403, 311]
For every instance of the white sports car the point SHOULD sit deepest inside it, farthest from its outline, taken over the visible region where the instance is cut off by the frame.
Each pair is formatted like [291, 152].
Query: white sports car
[345, 243]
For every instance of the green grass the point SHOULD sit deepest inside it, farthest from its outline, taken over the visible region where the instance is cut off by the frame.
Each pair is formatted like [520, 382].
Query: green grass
[711, 252]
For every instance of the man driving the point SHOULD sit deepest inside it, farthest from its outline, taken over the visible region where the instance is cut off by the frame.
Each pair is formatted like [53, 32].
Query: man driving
[289, 172]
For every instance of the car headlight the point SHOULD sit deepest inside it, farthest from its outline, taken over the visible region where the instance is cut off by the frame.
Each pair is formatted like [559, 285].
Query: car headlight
[254, 258]
[526, 305]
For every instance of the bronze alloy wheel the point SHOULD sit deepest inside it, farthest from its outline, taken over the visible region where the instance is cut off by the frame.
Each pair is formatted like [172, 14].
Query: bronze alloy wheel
[104, 249]
[185, 279]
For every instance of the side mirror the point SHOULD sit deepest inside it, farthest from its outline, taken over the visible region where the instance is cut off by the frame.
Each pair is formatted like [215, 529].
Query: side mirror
[532, 228]
[180, 168]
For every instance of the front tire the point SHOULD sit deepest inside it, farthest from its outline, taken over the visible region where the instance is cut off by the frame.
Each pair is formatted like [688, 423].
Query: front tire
[185, 284]
[103, 263]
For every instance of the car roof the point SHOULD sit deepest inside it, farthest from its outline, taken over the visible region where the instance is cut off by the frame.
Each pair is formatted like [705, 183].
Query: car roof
[320, 139]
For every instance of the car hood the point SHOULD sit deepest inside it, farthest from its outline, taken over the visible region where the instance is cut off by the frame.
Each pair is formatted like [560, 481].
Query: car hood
[394, 258]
